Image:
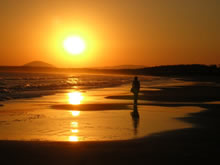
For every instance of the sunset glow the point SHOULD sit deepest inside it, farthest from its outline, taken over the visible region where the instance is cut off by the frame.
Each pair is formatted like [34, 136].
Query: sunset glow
[110, 33]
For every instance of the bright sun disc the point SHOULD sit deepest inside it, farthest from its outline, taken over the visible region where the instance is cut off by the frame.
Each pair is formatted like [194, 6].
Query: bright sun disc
[74, 45]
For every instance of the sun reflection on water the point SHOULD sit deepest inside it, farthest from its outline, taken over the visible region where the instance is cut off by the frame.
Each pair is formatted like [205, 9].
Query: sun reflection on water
[75, 98]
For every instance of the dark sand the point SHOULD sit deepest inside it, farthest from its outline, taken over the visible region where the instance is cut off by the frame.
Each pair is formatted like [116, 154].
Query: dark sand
[194, 93]
[196, 145]
[91, 107]
[193, 145]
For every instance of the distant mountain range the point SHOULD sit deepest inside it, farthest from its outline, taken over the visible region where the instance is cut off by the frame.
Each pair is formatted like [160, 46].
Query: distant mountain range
[40, 64]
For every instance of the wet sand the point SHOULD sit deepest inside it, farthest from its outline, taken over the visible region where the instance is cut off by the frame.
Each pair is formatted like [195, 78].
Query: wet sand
[196, 145]
[94, 117]
[192, 145]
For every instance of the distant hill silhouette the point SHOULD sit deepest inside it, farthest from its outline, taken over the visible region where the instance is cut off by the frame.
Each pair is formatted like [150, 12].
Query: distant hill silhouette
[175, 70]
[39, 64]
[193, 70]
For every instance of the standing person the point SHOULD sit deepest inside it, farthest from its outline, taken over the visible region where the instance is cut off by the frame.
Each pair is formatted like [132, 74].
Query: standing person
[135, 90]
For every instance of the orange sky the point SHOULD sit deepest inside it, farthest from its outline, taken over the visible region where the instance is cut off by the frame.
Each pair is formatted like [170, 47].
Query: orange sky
[116, 32]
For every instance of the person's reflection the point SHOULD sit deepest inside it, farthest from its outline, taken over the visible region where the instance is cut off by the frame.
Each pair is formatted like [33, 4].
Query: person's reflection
[135, 118]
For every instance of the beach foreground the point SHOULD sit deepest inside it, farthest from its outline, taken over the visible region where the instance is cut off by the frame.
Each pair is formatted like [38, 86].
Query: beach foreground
[186, 146]
[199, 144]
[89, 114]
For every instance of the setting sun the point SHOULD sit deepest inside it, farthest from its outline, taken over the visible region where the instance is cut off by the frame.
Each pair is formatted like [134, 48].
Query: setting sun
[74, 45]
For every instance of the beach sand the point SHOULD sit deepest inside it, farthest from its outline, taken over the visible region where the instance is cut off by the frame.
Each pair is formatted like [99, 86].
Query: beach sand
[199, 144]
[186, 146]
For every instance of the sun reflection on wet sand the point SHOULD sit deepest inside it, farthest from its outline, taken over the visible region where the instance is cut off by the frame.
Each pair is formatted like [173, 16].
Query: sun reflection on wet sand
[73, 138]
[75, 98]
[75, 113]
[74, 130]
[74, 124]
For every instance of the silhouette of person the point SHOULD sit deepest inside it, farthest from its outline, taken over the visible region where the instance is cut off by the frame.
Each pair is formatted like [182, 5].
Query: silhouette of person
[135, 90]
